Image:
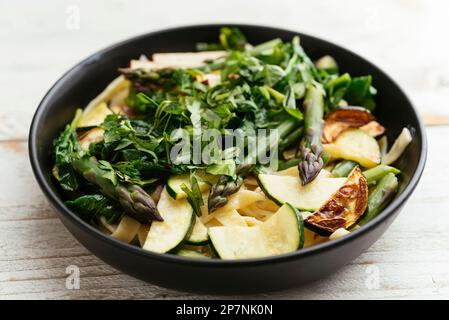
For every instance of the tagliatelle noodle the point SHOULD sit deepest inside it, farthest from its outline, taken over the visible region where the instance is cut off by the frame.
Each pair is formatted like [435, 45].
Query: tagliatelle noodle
[127, 229]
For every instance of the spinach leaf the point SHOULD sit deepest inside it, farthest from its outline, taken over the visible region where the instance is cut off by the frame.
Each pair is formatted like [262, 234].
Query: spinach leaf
[89, 206]
[230, 39]
[224, 167]
[360, 92]
[265, 48]
[336, 90]
[130, 172]
[194, 107]
[66, 148]
[109, 172]
[271, 74]
[121, 132]
[289, 104]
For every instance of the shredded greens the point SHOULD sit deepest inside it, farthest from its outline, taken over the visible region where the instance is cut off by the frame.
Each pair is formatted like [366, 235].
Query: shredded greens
[259, 87]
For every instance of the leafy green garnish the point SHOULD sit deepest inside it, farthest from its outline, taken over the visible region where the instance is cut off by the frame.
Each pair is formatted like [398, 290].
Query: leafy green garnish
[66, 147]
[95, 205]
[247, 89]
[194, 195]
[224, 167]
[336, 89]
[289, 104]
[230, 39]
[360, 92]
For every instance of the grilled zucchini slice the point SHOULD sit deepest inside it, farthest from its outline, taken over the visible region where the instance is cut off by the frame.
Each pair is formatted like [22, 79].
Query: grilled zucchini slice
[281, 233]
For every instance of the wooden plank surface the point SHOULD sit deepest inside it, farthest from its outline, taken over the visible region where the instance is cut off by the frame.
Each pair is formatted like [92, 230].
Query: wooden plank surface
[35, 248]
[405, 38]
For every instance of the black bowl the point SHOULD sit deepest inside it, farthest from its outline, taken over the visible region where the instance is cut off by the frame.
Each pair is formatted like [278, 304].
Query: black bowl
[83, 82]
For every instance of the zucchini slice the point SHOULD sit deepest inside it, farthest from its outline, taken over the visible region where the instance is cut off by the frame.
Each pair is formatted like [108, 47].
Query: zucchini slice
[355, 145]
[199, 233]
[283, 189]
[281, 233]
[179, 219]
[174, 184]
[344, 208]
[196, 251]
[191, 254]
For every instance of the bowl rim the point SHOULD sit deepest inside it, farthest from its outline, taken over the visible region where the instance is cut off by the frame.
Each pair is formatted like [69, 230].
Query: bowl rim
[58, 204]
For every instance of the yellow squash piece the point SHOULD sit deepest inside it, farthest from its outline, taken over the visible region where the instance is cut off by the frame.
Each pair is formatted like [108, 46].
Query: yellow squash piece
[95, 116]
[179, 220]
[281, 233]
[117, 86]
[282, 189]
[355, 145]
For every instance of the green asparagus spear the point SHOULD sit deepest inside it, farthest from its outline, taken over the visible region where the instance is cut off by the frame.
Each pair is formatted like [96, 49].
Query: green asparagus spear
[344, 168]
[219, 193]
[311, 148]
[140, 74]
[134, 200]
[283, 131]
[291, 139]
[225, 186]
[380, 197]
[373, 175]
[285, 164]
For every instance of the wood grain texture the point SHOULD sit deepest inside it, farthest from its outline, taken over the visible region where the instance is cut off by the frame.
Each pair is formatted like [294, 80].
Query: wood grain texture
[403, 37]
[35, 248]
[411, 258]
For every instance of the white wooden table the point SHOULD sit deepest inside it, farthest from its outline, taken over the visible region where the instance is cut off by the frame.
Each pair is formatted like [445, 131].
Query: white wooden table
[40, 40]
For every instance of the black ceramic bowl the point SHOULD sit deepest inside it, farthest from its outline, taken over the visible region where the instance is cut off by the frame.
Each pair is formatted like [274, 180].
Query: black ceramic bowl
[83, 82]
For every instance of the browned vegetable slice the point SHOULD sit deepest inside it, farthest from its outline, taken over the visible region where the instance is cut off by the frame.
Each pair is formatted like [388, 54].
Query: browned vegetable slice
[344, 208]
[340, 120]
[374, 129]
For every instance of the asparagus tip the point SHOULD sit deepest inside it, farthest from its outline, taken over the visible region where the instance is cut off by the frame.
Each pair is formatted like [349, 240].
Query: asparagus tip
[312, 164]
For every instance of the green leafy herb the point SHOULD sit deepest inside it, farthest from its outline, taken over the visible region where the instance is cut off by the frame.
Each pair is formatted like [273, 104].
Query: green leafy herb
[194, 195]
[230, 39]
[336, 90]
[96, 205]
[360, 92]
[66, 147]
[224, 167]
[265, 86]
[289, 104]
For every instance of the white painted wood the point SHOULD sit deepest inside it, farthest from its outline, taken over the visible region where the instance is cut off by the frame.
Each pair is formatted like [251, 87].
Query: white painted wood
[406, 38]
[35, 248]
[39, 42]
